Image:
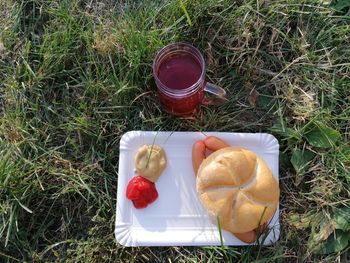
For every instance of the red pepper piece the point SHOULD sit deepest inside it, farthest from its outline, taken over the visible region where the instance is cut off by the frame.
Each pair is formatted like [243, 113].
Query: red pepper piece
[141, 191]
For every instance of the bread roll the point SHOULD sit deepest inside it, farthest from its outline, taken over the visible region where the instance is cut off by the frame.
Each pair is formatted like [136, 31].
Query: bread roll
[237, 186]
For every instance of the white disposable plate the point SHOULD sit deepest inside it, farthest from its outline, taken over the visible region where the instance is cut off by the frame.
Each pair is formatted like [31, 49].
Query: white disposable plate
[177, 217]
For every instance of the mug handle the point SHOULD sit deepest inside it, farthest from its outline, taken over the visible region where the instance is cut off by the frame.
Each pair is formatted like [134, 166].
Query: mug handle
[220, 96]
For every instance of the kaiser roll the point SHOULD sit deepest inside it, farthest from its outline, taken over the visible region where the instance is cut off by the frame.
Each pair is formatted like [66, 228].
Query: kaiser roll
[237, 186]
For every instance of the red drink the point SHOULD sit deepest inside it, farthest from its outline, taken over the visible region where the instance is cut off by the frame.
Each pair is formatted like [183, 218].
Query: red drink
[179, 72]
[181, 106]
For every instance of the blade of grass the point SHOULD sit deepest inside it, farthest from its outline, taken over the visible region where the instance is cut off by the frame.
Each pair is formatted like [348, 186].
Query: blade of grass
[183, 7]
[150, 152]
[220, 231]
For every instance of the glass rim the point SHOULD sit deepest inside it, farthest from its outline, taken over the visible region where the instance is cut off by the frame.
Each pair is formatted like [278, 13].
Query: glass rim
[194, 51]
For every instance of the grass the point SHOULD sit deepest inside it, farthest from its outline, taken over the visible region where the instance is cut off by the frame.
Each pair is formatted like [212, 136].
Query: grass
[76, 75]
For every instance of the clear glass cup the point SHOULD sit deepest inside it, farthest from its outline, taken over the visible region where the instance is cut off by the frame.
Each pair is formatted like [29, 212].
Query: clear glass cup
[179, 73]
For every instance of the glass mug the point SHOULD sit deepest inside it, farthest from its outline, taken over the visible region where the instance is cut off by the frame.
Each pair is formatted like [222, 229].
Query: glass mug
[179, 73]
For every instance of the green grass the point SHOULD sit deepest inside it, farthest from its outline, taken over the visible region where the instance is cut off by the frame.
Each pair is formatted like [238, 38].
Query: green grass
[76, 75]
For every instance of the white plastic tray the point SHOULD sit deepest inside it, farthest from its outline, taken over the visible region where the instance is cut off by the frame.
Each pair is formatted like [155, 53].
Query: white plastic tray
[177, 218]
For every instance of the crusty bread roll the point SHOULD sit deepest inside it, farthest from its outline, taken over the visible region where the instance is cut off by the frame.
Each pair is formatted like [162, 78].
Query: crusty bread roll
[237, 186]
